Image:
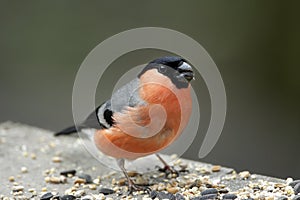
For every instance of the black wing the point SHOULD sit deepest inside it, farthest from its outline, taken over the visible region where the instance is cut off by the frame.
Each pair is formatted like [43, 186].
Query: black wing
[102, 117]
[90, 122]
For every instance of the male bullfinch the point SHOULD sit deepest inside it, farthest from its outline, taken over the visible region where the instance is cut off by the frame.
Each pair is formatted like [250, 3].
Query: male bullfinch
[145, 115]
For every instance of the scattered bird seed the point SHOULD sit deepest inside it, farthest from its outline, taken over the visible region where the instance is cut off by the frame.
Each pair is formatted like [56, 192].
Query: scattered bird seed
[279, 185]
[56, 159]
[179, 196]
[67, 172]
[297, 188]
[15, 183]
[216, 168]
[183, 166]
[165, 195]
[174, 156]
[47, 196]
[121, 181]
[96, 181]
[229, 196]
[289, 180]
[33, 156]
[68, 197]
[70, 191]
[79, 181]
[206, 197]
[32, 190]
[198, 183]
[86, 177]
[17, 188]
[79, 193]
[11, 178]
[161, 187]
[92, 187]
[25, 154]
[47, 179]
[209, 191]
[223, 191]
[172, 190]
[87, 197]
[54, 180]
[293, 183]
[24, 170]
[52, 144]
[244, 174]
[106, 191]
[63, 179]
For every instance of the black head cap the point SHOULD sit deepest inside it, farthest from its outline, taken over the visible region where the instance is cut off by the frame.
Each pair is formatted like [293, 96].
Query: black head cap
[174, 67]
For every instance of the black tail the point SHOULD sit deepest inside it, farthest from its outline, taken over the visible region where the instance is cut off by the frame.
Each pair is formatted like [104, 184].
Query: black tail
[66, 131]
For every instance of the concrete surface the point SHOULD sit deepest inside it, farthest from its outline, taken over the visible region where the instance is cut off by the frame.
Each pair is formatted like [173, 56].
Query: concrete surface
[33, 149]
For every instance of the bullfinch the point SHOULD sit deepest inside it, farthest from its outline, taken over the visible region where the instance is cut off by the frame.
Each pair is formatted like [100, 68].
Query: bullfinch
[145, 115]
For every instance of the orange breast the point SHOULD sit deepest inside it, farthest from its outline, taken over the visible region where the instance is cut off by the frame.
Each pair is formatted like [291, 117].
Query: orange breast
[118, 144]
[132, 136]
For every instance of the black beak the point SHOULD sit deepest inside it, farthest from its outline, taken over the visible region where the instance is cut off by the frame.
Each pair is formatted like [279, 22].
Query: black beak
[186, 71]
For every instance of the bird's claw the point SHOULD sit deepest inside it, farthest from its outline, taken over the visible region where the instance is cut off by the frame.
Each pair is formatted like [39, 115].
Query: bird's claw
[133, 188]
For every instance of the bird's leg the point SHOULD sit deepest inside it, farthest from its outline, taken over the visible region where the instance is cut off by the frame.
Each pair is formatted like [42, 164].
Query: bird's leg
[131, 185]
[167, 168]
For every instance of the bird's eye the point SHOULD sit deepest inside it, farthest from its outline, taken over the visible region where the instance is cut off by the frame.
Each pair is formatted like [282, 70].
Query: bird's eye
[162, 69]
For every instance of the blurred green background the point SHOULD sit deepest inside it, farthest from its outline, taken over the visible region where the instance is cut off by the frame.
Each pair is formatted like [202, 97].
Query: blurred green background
[255, 44]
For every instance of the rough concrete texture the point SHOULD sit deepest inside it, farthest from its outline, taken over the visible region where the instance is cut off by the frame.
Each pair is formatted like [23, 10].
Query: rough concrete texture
[27, 154]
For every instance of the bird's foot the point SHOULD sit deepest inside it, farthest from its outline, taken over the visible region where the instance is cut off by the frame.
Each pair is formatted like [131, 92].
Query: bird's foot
[132, 187]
